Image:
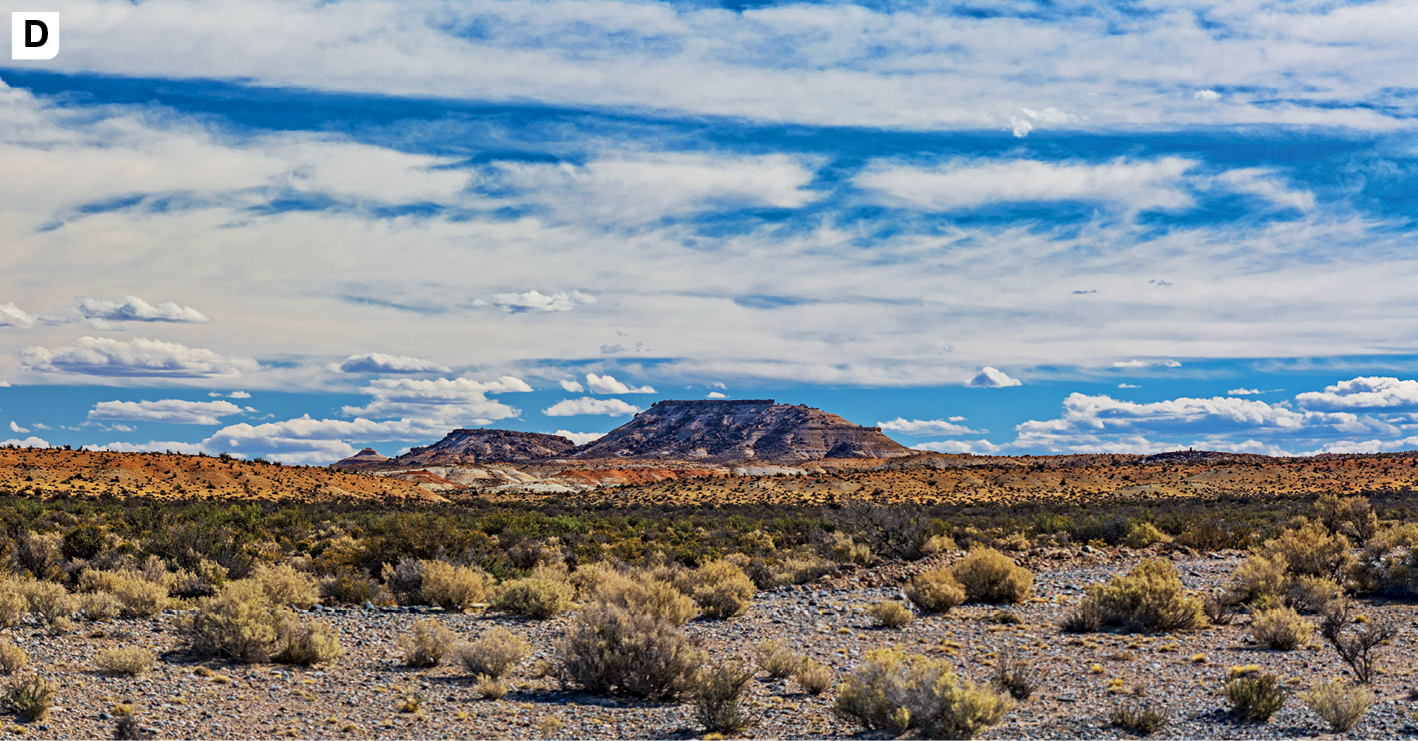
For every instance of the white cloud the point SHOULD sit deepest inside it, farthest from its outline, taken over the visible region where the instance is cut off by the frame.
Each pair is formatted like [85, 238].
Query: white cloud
[1128, 386]
[1207, 95]
[580, 438]
[927, 427]
[1138, 364]
[1364, 392]
[439, 401]
[155, 446]
[13, 316]
[381, 363]
[105, 314]
[1020, 127]
[536, 301]
[167, 411]
[98, 356]
[574, 387]
[716, 395]
[1266, 184]
[1243, 392]
[608, 385]
[239, 395]
[973, 447]
[29, 442]
[16, 428]
[313, 441]
[589, 405]
[992, 378]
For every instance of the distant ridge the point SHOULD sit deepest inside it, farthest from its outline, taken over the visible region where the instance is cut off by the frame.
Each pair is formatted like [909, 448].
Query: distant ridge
[740, 429]
[464, 447]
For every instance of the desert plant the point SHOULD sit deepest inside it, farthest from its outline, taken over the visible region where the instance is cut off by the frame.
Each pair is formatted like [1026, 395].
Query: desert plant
[426, 644]
[1218, 610]
[843, 549]
[938, 544]
[28, 696]
[493, 654]
[1141, 717]
[935, 590]
[12, 658]
[1280, 628]
[1338, 704]
[723, 589]
[534, 597]
[1143, 534]
[451, 587]
[610, 650]
[308, 642]
[1148, 598]
[287, 587]
[52, 602]
[125, 660]
[13, 602]
[1085, 617]
[489, 687]
[1310, 550]
[1261, 577]
[1313, 593]
[891, 614]
[127, 728]
[814, 677]
[773, 657]
[238, 622]
[990, 576]
[1254, 697]
[898, 692]
[1355, 641]
[1016, 676]
[99, 606]
[138, 596]
[644, 594]
[718, 690]
[1352, 516]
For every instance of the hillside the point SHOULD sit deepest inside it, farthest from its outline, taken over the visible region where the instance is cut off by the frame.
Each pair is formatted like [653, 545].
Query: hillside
[740, 430]
[462, 447]
[56, 472]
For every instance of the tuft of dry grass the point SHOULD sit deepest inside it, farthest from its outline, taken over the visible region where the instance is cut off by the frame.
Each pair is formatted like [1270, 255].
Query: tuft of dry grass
[131, 661]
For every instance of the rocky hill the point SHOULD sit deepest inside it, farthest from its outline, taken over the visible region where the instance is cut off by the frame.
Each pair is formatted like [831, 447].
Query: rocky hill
[739, 430]
[464, 447]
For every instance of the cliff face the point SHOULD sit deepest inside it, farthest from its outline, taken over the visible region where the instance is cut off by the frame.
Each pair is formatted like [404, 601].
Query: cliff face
[753, 429]
[462, 447]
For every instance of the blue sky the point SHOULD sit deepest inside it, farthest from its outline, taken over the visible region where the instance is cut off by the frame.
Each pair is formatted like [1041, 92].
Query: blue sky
[294, 229]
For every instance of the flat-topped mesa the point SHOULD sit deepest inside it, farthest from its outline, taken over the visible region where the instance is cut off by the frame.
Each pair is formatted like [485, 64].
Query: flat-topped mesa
[740, 429]
[487, 446]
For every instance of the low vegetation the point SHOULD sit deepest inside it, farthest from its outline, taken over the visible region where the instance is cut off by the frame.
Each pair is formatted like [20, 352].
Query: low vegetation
[130, 660]
[990, 576]
[1339, 704]
[718, 694]
[1254, 696]
[1148, 599]
[610, 650]
[426, 643]
[905, 693]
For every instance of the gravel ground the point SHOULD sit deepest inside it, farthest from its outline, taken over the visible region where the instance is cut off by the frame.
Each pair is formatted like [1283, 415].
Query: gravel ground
[358, 697]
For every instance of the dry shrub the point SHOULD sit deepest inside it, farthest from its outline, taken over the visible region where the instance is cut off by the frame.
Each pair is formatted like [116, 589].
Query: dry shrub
[1219, 610]
[891, 614]
[287, 587]
[99, 606]
[347, 587]
[1310, 549]
[800, 568]
[898, 692]
[203, 580]
[451, 587]
[28, 696]
[814, 677]
[1144, 534]
[308, 642]
[1280, 628]
[723, 589]
[125, 660]
[40, 555]
[1149, 598]
[1261, 578]
[139, 597]
[1016, 676]
[843, 549]
[935, 590]
[12, 658]
[1254, 697]
[52, 602]
[127, 728]
[718, 692]
[13, 602]
[426, 644]
[1086, 617]
[489, 687]
[1356, 639]
[1139, 717]
[775, 658]
[1389, 564]
[238, 622]
[1338, 704]
[1313, 593]
[938, 544]
[1352, 516]
[534, 597]
[610, 650]
[644, 594]
[494, 654]
[990, 576]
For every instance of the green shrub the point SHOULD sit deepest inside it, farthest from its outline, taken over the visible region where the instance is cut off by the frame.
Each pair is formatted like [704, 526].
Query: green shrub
[238, 623]
[494, 654]
[426, 644]
[1338, 704]
[308, 642]
[452, 587]
[535, 598]
[814, 677]
[1149, 598]
[1143, 534]
[723, 590]
[287, 587]
[1351, 516]
[610, 650]
[898, 692]
[935, 591]
[1280, 628]
[1261, 577]
[137, 596]
[1254, 697]
[29, 696]
[1310, 550]
[891, 614]
[717, 696]
[12, 658]
[990, 576]
[131, 661]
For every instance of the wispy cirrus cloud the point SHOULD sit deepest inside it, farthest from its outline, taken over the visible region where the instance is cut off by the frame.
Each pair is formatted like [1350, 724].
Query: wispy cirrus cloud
[168, 411]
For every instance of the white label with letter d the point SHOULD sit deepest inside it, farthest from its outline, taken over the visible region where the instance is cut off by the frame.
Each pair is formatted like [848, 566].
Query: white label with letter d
[34, 35]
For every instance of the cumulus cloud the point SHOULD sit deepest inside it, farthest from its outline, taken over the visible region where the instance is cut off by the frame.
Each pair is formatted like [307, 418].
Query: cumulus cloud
[716, 395]
[381, 363]
[971, 447]
[580, 438]
[992, 378]
[108, 314]
[1243, 392]
[537, 301]
[574, 387]
[156, 446]
[313, 441]
[168, 411]
[13, 316]
[16, 428]
[608, 385]
[1128, 386]
[29, 442]
[1139, 364]
[589, 405]
[439, 401]
[927, 427]
[1364, 392]
[1207, 95]
[99, 356]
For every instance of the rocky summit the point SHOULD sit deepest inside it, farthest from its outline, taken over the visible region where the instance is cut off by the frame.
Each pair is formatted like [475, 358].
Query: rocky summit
[738, 430]
[461, 447]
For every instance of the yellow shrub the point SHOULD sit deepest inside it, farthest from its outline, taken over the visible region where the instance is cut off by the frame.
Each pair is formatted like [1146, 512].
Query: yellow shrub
[286, 586]
[1149, 598]
[898, 692]
[935, 591]
[453, 587]
[990, 576]
[891, 614]
[533, 597]
[131, 661]
[724, 590]
[1280, 628]
[139, 597]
